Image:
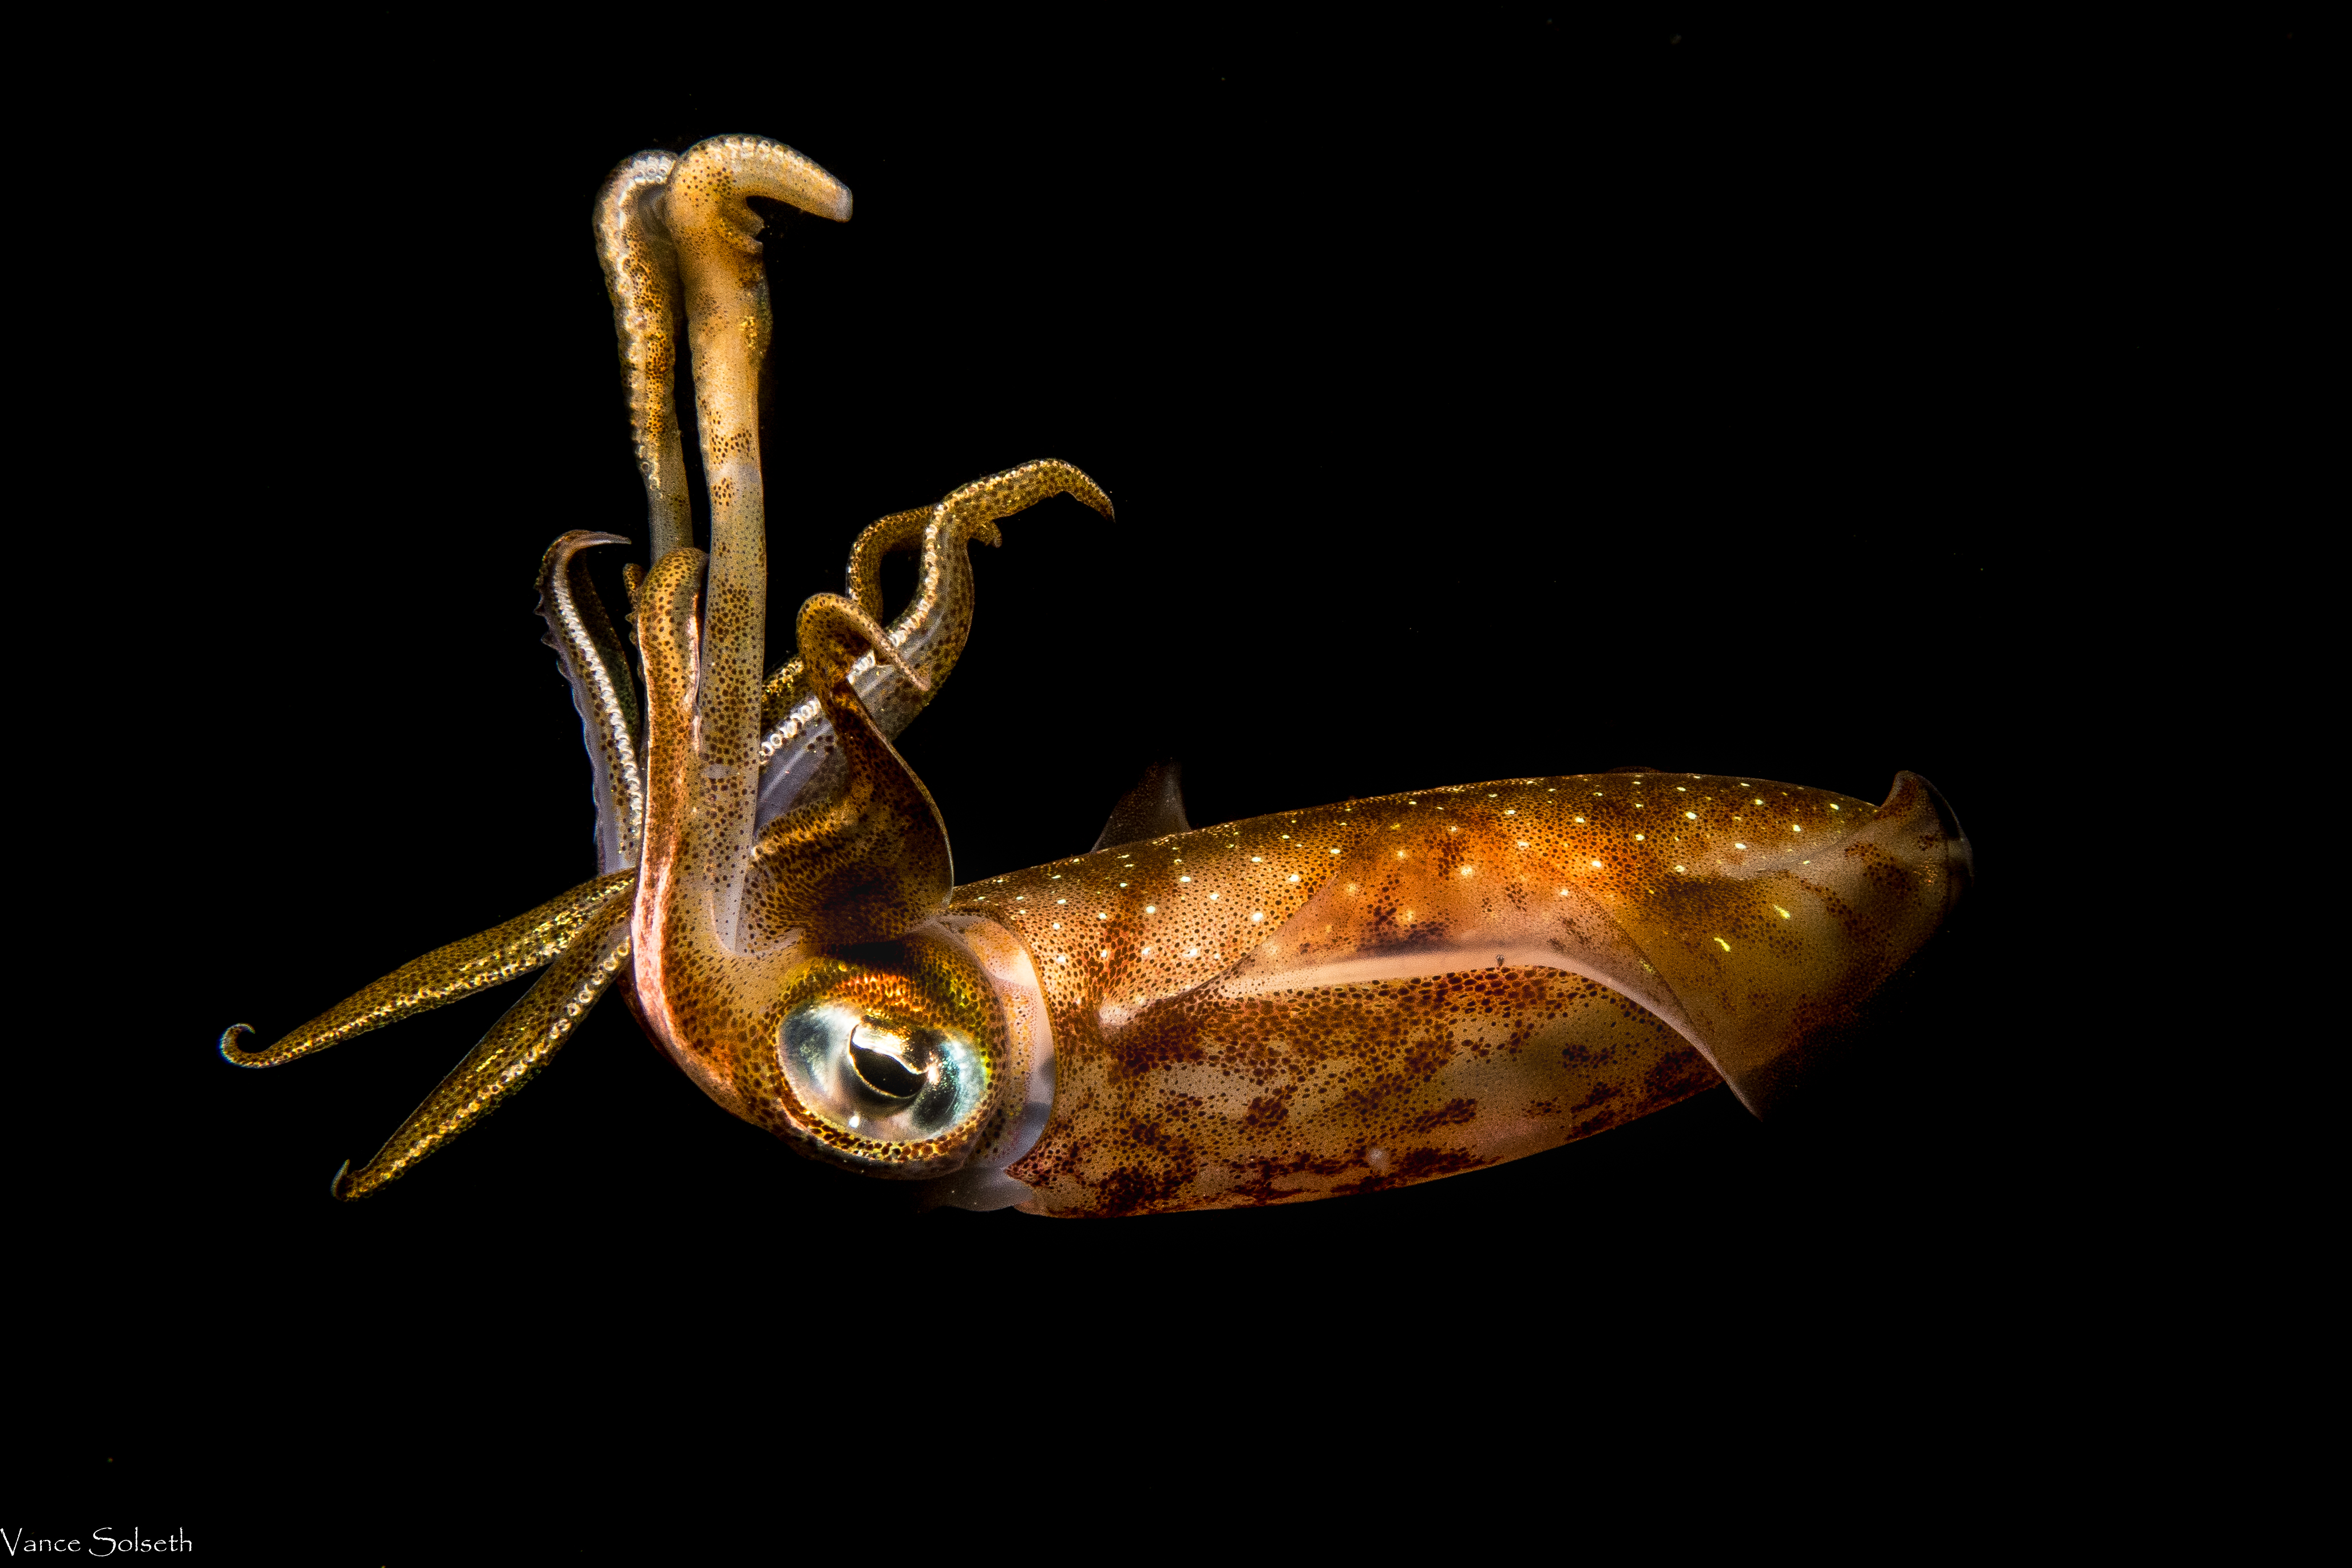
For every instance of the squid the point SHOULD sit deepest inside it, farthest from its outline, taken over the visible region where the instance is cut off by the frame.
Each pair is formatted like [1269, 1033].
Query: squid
[1301, 1005]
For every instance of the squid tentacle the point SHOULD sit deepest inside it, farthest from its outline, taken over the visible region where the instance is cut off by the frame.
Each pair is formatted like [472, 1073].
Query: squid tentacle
[787, 686]
[519, 1044]
[672, 920]
[937, 622]
[896, 535]
[728, 324]
[602, 690]
[634, 246]
[449, 973]
[797, 751]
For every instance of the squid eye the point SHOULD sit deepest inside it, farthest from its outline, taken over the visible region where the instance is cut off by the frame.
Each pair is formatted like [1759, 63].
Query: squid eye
[895, 1066]
[892, 1057]
[884, 1092]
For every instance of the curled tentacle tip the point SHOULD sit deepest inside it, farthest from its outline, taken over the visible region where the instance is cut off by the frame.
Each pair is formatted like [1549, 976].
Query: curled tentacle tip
[228, 1046]
[838, 615]
[758, 166]
[577, 539]
[349, 1188]
[1079, 486]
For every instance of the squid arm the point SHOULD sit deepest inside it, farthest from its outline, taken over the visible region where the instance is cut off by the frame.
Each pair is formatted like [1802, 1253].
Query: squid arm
[640, 263]
[528, 942]
[521, 1042]
[796, 749]
[602, 690]
[581, 938]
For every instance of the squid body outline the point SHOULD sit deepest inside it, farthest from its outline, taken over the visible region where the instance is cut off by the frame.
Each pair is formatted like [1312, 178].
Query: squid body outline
[1302, 1004]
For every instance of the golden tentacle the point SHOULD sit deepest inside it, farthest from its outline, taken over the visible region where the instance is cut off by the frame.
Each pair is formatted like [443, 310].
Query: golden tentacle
[519, 1044]
[602, 690]
[796, 758]
[895, 535]
[787, 686]
[640, 265]
[448, 974]
[672, 897]
[669, 639]
[728, 325]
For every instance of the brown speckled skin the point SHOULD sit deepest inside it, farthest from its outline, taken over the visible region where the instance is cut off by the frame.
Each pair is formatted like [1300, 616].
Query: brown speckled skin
[1386, 991]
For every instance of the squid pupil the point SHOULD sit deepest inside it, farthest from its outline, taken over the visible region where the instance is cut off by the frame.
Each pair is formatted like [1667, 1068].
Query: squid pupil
[894, 1074]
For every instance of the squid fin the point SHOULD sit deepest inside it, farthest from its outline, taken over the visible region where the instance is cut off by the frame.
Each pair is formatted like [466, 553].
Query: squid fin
[1152, 809]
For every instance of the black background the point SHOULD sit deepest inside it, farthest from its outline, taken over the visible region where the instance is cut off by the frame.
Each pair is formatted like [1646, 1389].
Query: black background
[1485, 401]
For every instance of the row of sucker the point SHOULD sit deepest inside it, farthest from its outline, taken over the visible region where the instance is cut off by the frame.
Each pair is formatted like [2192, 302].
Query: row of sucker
[597, 668]
[640, 263]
